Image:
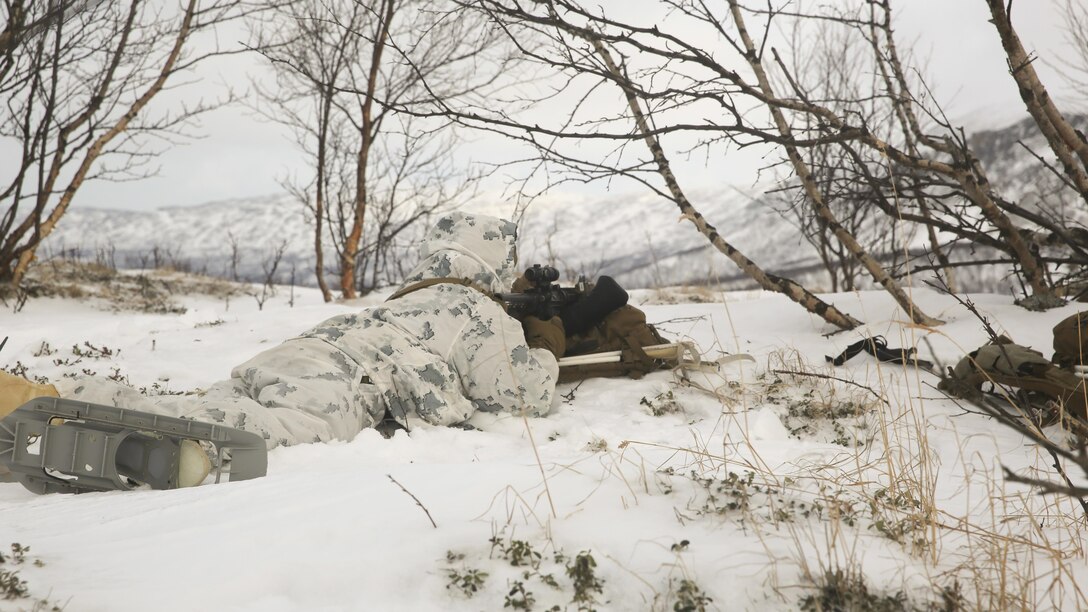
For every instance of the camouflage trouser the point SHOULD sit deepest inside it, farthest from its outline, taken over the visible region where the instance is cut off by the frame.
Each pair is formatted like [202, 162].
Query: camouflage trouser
[304, 390]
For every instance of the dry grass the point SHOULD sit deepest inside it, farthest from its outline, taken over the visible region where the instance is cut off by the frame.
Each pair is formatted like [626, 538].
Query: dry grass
[143, 291]
[965, 539]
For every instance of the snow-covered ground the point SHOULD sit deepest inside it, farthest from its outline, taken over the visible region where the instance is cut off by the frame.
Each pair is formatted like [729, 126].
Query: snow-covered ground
[891, 482]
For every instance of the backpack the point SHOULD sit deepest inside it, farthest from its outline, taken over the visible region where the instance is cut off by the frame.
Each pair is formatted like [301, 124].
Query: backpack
[1002, 362]
[625, 330]
[1071, 341]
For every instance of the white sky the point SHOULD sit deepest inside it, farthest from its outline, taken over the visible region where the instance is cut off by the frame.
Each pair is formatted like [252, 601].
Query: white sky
[241, 155]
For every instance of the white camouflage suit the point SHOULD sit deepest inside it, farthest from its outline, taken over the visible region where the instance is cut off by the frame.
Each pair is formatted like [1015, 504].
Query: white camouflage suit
[437, 354]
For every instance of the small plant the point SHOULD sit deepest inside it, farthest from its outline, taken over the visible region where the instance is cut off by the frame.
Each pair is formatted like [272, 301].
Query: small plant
[44, 350]
[469, 581]
[11, 586]
[518, 552]
[519, 598]
[217, 322]
[842, 590]
[90, 351]
[597, 445]
[582, 571]
[118, 377]
[822, 414]
[547, 579]
[521, 552]
[900, 517]
[689, 597]
[18, 553]
[20, 369]
[680, 546]
[952, 599]
[741, 494]
[159, 387]
[662, 404]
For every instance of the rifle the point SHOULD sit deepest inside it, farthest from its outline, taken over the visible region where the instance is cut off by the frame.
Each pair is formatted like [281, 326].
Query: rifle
[685, 355]
[580, 307]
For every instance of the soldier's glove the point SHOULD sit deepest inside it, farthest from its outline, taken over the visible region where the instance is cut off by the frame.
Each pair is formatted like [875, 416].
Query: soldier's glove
[521, 285]
[547, 335]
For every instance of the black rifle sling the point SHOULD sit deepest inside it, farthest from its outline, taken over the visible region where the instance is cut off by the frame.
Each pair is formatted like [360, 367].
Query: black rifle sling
[877, 346]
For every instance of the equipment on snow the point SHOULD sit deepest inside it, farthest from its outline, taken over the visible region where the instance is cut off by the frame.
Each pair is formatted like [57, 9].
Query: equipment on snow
[625, 330]
[877, 346]
[1058, 393]
[1071, 341]
[677, 354]
[54, 445]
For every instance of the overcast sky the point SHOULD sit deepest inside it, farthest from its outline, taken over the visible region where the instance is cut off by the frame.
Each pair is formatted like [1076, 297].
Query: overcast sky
[241, 155]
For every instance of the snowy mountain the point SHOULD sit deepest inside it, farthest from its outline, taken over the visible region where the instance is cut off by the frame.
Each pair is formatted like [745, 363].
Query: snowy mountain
[636, 237]
[578, 235]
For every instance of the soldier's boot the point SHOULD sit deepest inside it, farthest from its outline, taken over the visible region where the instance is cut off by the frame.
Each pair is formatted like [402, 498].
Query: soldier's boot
[16, 391]
[57, 445]
[193, 464]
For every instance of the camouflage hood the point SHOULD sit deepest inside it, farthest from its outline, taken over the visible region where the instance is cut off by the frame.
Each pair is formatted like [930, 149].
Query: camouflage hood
[476, 247]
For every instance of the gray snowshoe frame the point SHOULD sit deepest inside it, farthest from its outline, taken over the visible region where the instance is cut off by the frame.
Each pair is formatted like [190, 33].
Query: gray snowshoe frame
[54, 445]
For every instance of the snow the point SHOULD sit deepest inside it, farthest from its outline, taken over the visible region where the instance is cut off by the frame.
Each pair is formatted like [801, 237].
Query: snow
[330, 527]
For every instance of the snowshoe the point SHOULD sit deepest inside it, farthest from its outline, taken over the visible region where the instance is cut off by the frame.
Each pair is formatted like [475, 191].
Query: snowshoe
[53, 445]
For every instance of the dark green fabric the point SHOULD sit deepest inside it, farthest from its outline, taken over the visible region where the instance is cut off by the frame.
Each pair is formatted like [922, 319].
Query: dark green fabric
[545, 334]
[624, 330]
[1019, 367]
[1071, 341]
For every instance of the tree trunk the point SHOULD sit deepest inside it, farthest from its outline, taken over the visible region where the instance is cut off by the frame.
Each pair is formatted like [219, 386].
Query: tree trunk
[355, 236]
[879, 274]
[319, 203]
[1064, 141]
[42, 228]
[769, 282]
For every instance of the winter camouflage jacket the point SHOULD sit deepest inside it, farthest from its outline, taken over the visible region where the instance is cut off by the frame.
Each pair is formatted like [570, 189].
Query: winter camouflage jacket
[436, 354]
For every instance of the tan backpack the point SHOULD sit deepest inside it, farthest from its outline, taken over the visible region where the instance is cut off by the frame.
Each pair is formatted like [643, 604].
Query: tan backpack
[1004, 363]
[1071, 341]
[624, 330]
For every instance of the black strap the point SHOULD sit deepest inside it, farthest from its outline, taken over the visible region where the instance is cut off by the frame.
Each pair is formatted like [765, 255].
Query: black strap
[877, 346]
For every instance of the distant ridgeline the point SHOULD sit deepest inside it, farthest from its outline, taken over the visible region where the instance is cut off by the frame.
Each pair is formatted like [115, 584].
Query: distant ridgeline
[637, 238]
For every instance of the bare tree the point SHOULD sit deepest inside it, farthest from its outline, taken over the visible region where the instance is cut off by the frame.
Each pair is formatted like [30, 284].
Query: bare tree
[707, 76]
[1075, 66]
[268, 283]
[78, 78]
[342, 67]
[827, 59]
[1070, 147]
[815, 196]
[580, 43]
[311, 57]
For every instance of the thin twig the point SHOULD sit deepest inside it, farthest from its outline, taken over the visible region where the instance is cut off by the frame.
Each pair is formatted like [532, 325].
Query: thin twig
[567, 397]
[681, 320]
[1046, 486]
[418, 503]
[1078, 493]
[828, 377]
